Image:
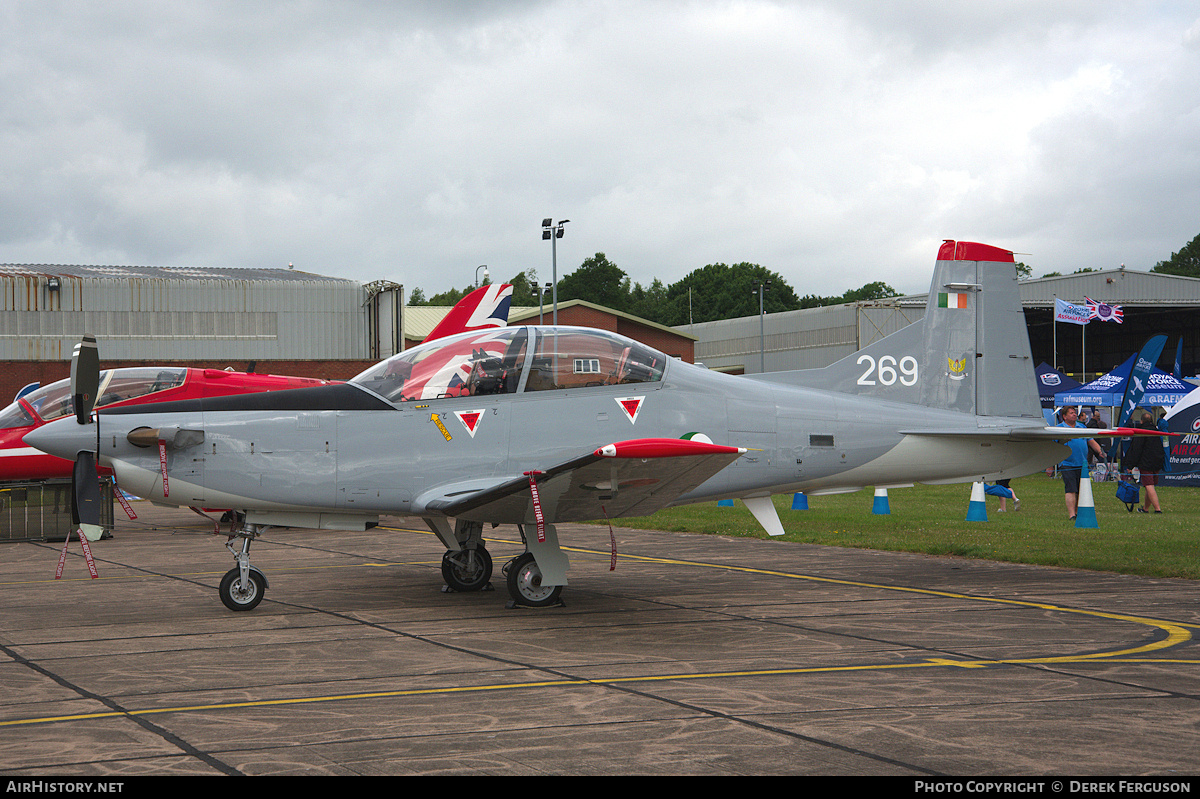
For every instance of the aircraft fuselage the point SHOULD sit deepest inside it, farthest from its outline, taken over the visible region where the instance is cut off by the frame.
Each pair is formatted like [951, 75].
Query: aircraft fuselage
[347, 462]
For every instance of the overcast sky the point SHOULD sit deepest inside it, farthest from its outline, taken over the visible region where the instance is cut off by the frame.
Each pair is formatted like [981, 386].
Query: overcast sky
[834, 142]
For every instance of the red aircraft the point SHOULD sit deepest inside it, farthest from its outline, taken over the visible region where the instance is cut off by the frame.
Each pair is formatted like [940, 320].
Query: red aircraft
[130, 386]
[483, 308]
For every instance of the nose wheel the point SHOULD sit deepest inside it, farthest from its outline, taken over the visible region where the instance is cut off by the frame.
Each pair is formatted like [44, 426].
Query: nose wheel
[242, 594]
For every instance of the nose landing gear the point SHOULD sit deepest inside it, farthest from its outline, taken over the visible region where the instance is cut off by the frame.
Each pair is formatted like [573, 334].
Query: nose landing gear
[243, 586]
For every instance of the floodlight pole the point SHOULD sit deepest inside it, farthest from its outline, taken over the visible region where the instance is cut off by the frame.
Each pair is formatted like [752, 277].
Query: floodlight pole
[553, 231]
[762, 327]
[541, 292]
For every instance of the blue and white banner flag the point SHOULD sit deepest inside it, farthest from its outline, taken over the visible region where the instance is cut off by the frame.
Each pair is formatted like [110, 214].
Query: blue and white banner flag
[1074, 314]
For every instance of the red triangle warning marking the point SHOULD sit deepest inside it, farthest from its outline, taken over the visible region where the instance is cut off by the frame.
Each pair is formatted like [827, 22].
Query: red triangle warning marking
[631, 406]
[470, 420]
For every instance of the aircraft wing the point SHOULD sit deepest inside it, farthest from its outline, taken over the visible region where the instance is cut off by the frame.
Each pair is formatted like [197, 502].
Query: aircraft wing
[627, 478]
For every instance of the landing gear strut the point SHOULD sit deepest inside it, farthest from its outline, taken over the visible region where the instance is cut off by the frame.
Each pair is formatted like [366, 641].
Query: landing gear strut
[243, 586]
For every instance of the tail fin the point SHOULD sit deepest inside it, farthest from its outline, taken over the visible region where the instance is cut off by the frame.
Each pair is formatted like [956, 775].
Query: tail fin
[970, 353]
[486, 306]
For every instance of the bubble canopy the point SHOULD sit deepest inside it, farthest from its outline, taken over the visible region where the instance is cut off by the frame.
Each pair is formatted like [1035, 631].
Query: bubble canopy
[511, 360]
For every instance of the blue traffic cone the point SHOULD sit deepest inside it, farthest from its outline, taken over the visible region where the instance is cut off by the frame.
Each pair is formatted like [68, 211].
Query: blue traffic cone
[799, 501]
[1085, 513]
[977, 510]
[880, 507]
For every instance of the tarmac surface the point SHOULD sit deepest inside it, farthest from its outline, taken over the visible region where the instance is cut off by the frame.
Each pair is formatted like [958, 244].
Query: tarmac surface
[699, 655]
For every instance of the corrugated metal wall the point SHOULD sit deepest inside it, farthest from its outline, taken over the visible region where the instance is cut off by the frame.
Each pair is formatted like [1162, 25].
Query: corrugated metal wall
[805, 339]
[181, 318]
[817, 337]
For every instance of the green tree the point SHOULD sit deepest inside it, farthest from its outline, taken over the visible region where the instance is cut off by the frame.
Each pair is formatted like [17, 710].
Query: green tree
[648, 303]
[720, 291]
[597, 280]
[525, 287]
[1186, 262]
[450, 296]
[877, 290]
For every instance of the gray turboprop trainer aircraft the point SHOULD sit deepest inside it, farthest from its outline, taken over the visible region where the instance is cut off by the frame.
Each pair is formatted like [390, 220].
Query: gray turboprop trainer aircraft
[535, 426]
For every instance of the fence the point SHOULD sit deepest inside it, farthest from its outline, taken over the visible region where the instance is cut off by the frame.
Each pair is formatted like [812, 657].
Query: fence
[41, 511]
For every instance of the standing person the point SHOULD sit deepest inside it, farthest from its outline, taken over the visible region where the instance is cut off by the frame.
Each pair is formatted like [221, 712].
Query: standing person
[1095, 422]
[1072, 468]
[1003, 490]
[1146, 453]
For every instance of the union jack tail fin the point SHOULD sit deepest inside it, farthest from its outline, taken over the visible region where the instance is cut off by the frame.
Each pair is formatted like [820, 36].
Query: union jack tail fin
[484, 307]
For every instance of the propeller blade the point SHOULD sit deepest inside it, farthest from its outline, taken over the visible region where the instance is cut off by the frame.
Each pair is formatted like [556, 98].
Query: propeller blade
[85, 377]
[85, 496]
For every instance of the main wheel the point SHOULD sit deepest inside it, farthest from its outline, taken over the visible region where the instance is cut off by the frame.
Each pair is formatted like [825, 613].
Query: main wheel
[525, 584]
[242, 597]
[467, 570]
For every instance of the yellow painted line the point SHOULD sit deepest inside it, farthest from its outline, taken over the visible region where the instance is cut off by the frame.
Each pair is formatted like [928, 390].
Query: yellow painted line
[1176, 634]
[599, 682]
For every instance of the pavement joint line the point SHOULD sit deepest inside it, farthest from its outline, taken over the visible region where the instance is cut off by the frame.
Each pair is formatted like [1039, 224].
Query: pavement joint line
[571, 682]
[1176, 634]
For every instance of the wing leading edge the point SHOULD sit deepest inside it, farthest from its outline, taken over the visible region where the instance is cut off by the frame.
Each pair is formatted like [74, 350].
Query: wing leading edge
[627, 478]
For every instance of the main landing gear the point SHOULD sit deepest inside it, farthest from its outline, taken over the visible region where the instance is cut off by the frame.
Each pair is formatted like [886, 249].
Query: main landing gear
[535, 578]
[467, 569]
[243, 586]
[525, 583]
[466, 565]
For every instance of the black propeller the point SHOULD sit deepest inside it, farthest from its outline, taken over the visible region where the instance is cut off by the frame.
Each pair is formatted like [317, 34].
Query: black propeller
[85, 378]
[85, 479]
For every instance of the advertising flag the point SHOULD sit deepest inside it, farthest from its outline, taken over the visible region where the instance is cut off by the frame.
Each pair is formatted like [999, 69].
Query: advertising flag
[1074, 314]
[1136, 386]
[1104, 312]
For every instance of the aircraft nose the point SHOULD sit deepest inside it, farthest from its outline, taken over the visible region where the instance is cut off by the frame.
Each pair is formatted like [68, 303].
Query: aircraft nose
[64, 438]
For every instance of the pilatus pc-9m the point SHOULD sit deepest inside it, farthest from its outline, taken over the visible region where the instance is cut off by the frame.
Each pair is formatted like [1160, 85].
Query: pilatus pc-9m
[535, 426]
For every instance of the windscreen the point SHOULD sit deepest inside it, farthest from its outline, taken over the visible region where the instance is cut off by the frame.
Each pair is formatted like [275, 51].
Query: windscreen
[471, 364]
[55, 400]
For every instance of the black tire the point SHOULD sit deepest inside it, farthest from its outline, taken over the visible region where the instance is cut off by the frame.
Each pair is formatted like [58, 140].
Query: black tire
[235, 597]
[525, 584]
[463, 573]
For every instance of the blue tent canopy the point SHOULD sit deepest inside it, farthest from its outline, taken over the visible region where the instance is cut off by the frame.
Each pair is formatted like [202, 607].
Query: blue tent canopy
[1109, 390]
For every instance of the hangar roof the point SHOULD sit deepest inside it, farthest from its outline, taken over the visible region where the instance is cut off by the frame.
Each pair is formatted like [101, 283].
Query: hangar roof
[1113, 286]
[164, 272]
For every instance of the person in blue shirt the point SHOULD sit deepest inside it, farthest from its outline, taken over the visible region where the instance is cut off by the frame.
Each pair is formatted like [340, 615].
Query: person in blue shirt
[1072, 469]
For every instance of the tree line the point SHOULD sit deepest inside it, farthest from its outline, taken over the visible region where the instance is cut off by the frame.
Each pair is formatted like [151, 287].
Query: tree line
[718, 291]
[715, 291]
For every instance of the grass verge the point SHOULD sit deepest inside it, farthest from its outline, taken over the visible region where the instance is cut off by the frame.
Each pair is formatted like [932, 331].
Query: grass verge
[932, 520]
